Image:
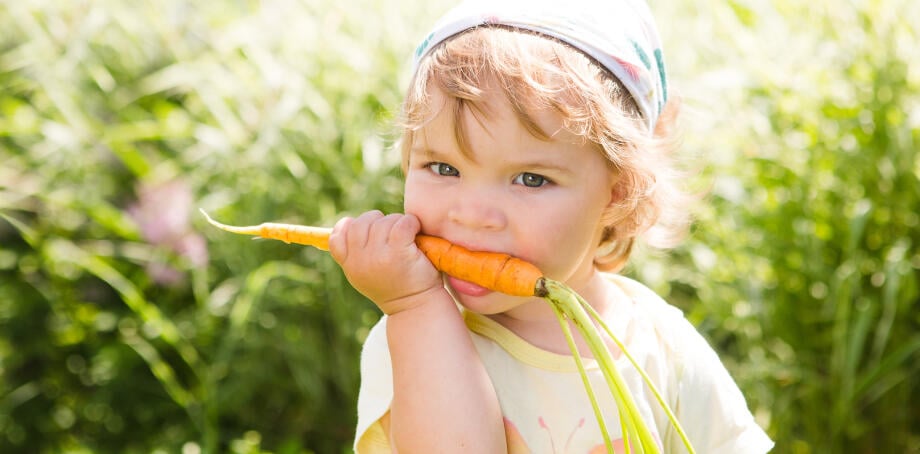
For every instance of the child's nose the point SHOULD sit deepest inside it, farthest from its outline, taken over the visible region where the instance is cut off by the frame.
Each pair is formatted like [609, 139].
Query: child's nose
[477, 210]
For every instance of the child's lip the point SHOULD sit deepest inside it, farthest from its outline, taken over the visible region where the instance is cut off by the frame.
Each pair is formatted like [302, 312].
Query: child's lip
[467, 288]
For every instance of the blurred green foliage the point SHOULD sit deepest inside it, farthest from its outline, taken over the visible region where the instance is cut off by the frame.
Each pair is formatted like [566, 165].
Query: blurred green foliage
[128, 325]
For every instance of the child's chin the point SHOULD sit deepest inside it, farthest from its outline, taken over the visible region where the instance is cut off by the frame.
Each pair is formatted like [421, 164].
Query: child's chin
[477, 305]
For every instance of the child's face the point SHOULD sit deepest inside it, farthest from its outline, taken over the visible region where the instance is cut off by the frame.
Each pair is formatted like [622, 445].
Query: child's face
[537, 200]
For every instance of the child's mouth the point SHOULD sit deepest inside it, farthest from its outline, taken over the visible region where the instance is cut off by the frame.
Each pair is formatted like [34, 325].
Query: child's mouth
[467, 288]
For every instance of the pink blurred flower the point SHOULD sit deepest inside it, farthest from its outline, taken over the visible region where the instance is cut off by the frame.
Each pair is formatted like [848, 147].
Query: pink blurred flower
[163, 213]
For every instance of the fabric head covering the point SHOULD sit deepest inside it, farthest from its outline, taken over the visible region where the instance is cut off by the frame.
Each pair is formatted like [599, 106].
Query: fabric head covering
[619, 34]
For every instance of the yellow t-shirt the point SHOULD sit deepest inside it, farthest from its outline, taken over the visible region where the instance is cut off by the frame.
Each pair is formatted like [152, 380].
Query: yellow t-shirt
[542, 396]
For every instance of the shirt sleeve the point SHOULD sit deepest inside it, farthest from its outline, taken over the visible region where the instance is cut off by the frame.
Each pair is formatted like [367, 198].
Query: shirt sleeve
[375, 393]
[709, 404]
[702, 394]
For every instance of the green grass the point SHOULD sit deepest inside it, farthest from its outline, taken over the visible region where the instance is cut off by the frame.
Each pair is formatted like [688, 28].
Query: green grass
[128, 325]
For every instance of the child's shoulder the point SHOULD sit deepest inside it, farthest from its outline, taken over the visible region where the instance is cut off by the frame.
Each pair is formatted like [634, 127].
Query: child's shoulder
[649, 311]
[644, 299]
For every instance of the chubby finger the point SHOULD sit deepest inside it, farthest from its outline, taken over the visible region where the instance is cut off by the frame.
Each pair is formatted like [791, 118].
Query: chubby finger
[381, 230]
[359, 230]
[338, 244]
[405, 229]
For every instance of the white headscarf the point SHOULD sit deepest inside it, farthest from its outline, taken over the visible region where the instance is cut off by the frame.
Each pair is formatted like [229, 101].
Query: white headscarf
[619, 34]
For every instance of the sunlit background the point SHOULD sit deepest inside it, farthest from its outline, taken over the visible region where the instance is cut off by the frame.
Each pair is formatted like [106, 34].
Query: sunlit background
[129, 325]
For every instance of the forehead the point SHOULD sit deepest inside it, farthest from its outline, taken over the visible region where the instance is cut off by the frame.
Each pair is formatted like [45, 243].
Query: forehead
[494, 135]
[492, 111]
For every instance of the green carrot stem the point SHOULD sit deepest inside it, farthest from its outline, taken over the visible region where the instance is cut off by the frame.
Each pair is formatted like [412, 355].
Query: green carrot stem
[564, 302]
[648, 381]
[563, 322]
[565, 299]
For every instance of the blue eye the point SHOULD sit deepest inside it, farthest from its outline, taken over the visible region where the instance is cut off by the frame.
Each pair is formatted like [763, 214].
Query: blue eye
[443, 169]
[531, 180]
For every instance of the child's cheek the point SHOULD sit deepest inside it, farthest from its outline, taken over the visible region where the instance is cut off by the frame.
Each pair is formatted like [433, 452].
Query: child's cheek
[422, 204]
[557, 251]
[540, 250]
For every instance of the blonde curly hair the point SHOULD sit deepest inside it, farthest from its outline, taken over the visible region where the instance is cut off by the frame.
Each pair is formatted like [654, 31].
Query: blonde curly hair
[534, 72]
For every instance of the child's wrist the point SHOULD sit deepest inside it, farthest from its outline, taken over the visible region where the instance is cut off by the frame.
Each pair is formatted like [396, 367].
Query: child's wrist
[431, 295]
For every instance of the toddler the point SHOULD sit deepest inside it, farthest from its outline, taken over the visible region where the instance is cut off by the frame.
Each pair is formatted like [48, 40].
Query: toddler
[539, 129]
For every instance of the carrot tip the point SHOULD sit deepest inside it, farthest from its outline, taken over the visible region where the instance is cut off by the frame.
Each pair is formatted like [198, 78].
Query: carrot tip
[205, 214]
[254, 230]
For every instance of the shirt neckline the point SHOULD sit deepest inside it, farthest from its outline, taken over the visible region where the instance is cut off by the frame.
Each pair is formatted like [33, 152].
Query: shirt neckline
[521, 349]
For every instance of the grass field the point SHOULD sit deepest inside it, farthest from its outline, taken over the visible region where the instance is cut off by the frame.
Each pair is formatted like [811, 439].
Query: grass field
[128, 325]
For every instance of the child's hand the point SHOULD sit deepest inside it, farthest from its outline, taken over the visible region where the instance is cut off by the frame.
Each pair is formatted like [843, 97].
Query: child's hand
[380, 260]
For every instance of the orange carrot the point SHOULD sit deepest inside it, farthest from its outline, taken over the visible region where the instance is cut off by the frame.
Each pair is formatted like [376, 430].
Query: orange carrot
[492, 270]
[317, 237]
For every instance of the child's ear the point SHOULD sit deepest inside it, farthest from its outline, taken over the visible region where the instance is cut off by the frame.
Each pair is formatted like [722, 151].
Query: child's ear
[613, 212]
[617, 193]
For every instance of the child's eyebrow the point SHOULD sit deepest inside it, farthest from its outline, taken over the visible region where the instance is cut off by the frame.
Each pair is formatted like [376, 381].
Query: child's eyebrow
[543, 166]
[429, 154]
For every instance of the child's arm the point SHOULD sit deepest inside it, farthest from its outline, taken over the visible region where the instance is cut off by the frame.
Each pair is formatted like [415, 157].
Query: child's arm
[443, 400]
